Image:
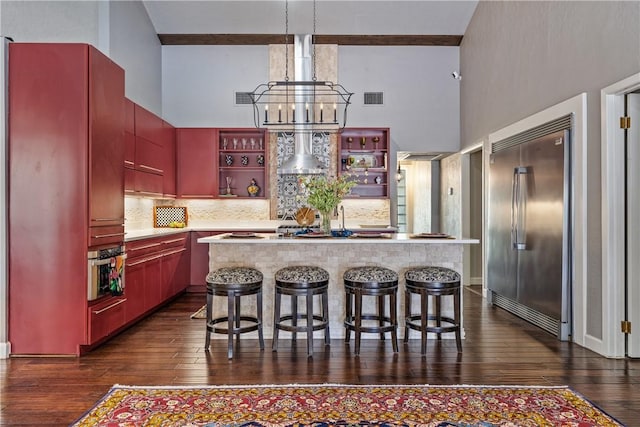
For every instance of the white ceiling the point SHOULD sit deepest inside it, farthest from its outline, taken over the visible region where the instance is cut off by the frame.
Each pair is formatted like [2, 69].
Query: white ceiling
[332, 16]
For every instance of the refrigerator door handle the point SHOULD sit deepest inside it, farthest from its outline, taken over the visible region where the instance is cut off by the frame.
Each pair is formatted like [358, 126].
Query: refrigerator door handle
[518, 211]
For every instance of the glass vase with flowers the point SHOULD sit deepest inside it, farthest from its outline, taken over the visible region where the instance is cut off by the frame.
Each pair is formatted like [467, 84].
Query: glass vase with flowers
[325, 194]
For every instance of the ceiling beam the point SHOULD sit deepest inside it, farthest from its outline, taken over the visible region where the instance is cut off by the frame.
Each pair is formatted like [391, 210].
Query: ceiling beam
[351, 40]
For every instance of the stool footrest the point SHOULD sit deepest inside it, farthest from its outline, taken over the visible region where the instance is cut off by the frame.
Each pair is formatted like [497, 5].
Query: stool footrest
[238, 330]
[302, 328]
[414, 322]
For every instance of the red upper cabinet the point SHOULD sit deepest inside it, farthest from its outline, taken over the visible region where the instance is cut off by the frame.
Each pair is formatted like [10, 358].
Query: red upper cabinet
[129, 146]
[196, 162]
[106, 142]
[66, 125]
[169, 160]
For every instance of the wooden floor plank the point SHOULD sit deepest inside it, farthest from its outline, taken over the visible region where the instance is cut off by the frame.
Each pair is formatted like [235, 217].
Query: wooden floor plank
[167, 349]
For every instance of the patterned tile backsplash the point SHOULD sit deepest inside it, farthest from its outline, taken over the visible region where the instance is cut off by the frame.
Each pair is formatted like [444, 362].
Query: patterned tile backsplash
[139, 211]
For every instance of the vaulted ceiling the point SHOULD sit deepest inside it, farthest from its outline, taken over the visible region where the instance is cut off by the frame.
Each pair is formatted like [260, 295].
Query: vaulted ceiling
[340, 22]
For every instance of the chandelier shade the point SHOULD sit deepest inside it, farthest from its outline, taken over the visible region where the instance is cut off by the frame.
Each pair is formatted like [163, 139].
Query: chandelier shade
[313, 105]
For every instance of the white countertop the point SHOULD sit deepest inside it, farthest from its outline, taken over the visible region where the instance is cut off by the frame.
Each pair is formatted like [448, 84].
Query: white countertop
[256, 226]
[263, 238]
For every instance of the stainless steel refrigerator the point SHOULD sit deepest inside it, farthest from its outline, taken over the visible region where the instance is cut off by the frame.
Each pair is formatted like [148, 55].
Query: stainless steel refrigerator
[528, 238]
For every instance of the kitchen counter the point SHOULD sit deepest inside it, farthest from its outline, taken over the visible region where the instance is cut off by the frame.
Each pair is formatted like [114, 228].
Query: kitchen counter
[257, 226]
[269, 252]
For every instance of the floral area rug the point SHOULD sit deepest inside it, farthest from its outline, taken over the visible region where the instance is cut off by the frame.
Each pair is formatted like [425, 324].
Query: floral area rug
[345, 405]
[201, 313]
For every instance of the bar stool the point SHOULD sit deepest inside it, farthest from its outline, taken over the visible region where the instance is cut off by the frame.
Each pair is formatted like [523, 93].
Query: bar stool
[436, 282]
[373, 281]
[234, 283]
[302, 281]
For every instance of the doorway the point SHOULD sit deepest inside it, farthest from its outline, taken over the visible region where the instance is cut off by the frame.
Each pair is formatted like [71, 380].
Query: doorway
[472, 193]
[621, 213]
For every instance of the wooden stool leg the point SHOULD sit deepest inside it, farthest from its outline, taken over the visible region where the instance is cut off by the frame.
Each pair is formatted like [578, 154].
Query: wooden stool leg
[231, 314]
[407, 314]
[207, 340]
[381, 313]
[325, 316]
[456, 318]
[294, 315]
[424, 313]
[309, 298]
[358, 320]
[348, 315]
[438, 314]
[276, 320]
[259, 318]
[394, 320]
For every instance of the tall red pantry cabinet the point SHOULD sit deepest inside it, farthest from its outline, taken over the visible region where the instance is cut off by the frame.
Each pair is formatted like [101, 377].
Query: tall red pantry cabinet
[66, 189]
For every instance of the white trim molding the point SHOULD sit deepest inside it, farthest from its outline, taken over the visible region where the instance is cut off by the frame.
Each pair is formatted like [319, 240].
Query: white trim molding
[579, 244]
[613, 214]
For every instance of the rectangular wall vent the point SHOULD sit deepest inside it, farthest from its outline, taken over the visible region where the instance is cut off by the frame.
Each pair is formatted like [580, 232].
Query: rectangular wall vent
[243, 98]
[373, 98]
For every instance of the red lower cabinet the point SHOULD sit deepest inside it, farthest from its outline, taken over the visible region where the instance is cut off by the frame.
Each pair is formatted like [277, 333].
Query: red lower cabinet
[157, 270]
[105, 318]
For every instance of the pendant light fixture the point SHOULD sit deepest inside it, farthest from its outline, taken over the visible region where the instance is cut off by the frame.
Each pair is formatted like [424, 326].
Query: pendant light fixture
[300, 105]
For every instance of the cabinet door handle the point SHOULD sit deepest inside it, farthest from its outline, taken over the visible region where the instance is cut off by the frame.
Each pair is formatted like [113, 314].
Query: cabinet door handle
[120, 301]
[174, 252]
[100, 236]
[167, 242]
[153, 245]
[121, 219]
[142, 261]
[150, 168]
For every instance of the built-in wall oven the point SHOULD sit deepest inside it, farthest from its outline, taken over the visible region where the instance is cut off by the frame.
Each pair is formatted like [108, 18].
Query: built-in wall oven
[106, 272]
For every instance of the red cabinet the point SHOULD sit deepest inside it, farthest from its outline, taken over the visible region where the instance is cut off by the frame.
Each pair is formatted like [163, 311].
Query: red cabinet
[66, 151]
[196, 162]
[157, 269]
[148, 152]
[199, 261]
[242, 157]
[129, 147]
[169, 160]
[363, 153]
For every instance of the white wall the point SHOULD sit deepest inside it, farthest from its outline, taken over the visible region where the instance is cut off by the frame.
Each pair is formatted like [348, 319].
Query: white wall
[421, 100]
[50, 21]
[134, 45]
[518, 58]
[199, 84]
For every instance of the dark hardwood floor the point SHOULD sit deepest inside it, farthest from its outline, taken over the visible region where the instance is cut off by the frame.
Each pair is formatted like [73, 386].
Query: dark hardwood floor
[167, 349]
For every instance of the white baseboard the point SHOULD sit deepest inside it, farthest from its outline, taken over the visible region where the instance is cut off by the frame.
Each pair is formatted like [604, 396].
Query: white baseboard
[475, 280]
[5, 350]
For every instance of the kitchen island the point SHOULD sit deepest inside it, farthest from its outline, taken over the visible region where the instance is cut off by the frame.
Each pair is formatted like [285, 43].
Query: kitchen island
[270, 252]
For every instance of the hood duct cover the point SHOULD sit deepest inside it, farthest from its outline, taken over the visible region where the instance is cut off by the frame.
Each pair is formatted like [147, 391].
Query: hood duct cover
[302, 162]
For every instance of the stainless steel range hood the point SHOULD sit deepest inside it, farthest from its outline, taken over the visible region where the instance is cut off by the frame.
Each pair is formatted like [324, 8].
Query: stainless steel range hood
[302, 162]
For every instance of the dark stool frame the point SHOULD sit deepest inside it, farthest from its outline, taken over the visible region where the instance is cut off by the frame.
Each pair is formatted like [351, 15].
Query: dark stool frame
[419, 322]
[314, 322]
[354, 291]
[233, 319]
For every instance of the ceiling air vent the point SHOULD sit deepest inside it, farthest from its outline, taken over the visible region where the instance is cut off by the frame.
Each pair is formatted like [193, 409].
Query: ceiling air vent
[373, 98]
[243, 98]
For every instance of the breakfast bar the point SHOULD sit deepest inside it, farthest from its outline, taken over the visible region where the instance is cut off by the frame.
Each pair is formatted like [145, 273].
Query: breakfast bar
[270, 252]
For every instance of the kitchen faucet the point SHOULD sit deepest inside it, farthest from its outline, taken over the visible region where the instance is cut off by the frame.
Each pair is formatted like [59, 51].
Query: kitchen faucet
[342, 211]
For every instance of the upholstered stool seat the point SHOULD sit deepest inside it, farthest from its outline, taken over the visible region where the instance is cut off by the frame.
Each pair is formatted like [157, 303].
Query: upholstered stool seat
[379, 282]
[234, 283]
[302, 281]
[436, 282]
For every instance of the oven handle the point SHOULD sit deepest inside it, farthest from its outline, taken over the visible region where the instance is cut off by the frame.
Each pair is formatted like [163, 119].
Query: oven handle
[120, 301]
[97, 262]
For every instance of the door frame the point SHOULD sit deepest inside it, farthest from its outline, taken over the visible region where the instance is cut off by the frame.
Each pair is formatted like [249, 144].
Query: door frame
[465, 195]
[613, 214]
